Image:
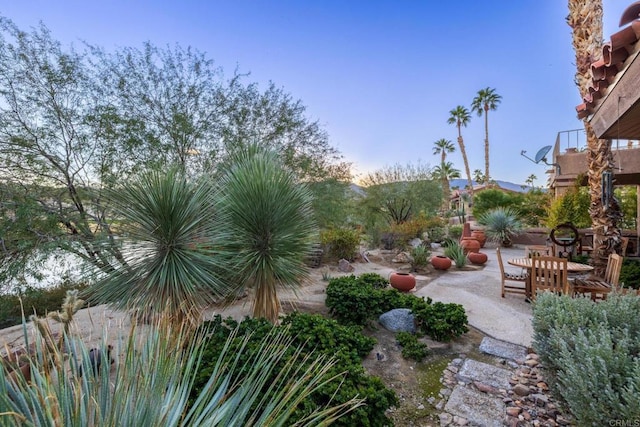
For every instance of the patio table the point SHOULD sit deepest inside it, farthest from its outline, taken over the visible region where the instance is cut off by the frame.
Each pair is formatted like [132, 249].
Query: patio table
[525, 262]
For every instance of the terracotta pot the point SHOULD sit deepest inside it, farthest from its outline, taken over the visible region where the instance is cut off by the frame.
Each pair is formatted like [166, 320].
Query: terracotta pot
[477, 258]
[470, 244]
[480, 236]
[403, 282]
[440, 262]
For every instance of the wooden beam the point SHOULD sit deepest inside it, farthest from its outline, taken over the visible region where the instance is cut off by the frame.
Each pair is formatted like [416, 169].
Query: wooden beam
[618, 103]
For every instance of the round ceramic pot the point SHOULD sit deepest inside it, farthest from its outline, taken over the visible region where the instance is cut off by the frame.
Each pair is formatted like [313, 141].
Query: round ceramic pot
[477, 258]
[440, 262]
[403, 282]
[480, 237]
[470, 244]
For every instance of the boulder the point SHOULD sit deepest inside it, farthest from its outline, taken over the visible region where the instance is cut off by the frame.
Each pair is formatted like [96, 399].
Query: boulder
[398, 320]
[345, 266]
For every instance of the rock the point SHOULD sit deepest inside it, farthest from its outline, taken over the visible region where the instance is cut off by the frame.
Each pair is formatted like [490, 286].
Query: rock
[513, 411]
[345, 266]
[397, 320]
[521, 390]
[485, 388]
[531, 363]
[415, 242]
[402, 258]
[420, 407]
[445, 419]
[539, 399]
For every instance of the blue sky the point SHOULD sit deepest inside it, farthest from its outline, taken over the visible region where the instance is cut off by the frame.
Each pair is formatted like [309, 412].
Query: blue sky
[379, 76]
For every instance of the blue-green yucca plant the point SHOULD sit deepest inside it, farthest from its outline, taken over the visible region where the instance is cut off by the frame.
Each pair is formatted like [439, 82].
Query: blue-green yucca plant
[268, 217]
[150, 384]
[169, 231]
[502, 224]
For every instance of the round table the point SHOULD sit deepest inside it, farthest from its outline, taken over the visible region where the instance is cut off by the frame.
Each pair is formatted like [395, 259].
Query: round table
[525, 262]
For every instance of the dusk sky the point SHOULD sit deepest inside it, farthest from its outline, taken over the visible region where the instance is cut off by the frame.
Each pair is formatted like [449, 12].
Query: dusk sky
[379, 76]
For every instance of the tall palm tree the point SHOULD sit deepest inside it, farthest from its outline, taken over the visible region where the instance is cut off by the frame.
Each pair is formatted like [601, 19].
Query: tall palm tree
[460, 117]
[478, 176]
[446, 172]
[585, 20]
[442, 147]
[268, 215]
[168, 232]
[486, 99]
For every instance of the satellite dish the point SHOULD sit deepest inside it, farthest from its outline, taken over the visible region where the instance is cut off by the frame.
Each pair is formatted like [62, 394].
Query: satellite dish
[542, 154]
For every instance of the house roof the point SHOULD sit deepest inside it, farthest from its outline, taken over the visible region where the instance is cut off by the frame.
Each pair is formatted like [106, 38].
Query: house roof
[607, 92]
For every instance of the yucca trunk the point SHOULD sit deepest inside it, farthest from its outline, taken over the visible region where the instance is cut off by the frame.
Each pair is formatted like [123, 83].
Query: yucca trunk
[585, 19]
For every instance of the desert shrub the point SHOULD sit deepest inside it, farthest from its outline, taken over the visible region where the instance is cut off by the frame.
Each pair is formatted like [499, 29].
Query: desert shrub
[630, 273]
[373, 279]
[37, 301]
[357, 303]
[455, 231]
[420, 256]
[436, 228]
[389, 240]
[491, 199]
[441, 321]
[411, 347]
[572, 206]
[592, 353]
[311, 333]
[409, 229]
[456, 252]
[342, 243]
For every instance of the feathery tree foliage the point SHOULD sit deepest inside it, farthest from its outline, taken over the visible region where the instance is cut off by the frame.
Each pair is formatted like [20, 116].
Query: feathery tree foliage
[74, 124]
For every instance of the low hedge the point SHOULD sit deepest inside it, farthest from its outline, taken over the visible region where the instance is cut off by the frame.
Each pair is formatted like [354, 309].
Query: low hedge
[354, 301]
[591, 352]
[312, 333]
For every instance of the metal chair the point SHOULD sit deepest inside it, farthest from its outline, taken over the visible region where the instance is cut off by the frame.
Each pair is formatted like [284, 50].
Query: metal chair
[599, 287]
[549, 273]
[511, 277]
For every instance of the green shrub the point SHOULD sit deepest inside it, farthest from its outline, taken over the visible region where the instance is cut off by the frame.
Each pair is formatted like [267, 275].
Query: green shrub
[312, 333]
[456, 252]
[455, 231]
[630, 273]
[591, 352]
[342, 243]
[420, 255]
[411, 347]
[572, 206]
[436, 229]
[389, 240]
[353, 302]
[441, 321]
[37, 301]
[373, 279]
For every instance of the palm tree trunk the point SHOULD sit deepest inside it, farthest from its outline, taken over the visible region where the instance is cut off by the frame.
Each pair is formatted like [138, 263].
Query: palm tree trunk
[585, 20]
[486, 145]
[463, 151]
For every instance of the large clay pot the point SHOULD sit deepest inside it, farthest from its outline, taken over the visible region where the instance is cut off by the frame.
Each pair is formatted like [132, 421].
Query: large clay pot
[477, 258]
[440, 262]
[403, 282]
[480, 236]
[470, 244]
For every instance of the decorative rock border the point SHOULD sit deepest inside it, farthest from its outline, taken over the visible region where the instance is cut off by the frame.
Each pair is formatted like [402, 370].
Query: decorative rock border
[527, 401]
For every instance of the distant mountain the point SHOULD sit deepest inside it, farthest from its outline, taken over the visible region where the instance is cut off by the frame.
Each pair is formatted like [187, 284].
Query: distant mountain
[461, 183]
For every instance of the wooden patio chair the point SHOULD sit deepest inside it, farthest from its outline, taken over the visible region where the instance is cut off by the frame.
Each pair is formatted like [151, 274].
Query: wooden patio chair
[505, 277]
[549, 273]
[598, 287]
[531, 250]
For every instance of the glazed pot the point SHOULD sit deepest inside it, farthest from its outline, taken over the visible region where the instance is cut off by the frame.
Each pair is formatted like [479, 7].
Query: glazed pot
[480, 236]
[470, 244]
[440, 262]
[403, 282]
[477, 258]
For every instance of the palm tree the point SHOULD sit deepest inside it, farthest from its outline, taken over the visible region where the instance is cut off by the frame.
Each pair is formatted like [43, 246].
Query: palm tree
[168, 231]
[460, 117]
[486, 99]
[531, 179]
[478, 176]
[268, 216]
[442, 147]
[585, 20]
[446, 172]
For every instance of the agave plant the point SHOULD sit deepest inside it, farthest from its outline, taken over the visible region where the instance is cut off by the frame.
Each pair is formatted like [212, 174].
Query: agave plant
[502, 224]
[151, 384]
[267, 214]
[168, 229]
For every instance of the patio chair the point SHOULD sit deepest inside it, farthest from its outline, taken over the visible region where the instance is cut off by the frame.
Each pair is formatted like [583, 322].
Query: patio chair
[511, 277]
[531, 250]
[599, 287]
[549, 273]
